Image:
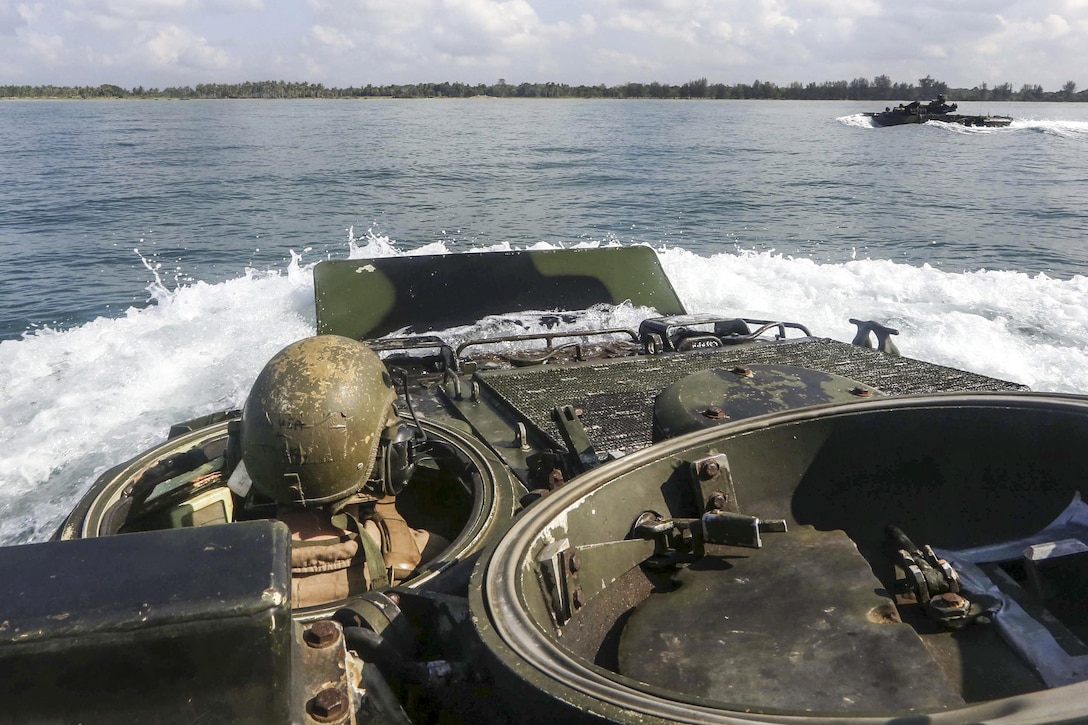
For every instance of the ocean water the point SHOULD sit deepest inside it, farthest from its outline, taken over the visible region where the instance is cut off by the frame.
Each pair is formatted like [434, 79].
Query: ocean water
[153, 255]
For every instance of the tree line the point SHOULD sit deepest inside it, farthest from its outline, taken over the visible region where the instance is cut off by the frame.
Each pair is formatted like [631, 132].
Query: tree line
[879, 88]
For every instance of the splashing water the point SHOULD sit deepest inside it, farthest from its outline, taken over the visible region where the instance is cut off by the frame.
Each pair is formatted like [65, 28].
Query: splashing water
[75, 402]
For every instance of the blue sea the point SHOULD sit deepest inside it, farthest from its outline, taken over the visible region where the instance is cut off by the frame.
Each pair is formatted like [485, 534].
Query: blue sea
[153, 255]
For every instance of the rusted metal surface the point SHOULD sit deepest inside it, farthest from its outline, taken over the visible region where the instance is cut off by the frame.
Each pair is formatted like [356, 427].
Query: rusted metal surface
[331, 705]
[323, 633]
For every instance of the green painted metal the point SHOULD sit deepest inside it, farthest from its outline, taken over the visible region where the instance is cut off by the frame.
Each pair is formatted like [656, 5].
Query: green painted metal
[720, 396]
[367, 298]
[192, 625]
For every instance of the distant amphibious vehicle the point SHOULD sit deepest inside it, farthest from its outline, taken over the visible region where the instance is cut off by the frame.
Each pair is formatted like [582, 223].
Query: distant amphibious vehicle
[701, 519]
[938, 110]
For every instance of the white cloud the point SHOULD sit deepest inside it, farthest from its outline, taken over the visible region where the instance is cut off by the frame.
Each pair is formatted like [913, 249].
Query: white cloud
[475, 30]
[379, 18]
[234, 6]
[30, 12]
[490, 37]
[331, 37]
[160, 9]
[636, 65]
[174, 46]
[349, 42]
[703, 25]
[932, 50]
[47, 49]
[131, 9]
[14, 16]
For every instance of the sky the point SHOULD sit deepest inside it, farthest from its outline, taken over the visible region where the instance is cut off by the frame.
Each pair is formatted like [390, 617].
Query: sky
[161, 43]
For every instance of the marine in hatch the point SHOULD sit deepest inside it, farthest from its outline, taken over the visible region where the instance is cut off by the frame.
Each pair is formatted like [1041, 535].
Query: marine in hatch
[940, 105]
[322, 438]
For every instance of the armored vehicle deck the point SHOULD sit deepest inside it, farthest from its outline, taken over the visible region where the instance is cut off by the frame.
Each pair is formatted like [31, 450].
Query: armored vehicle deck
[698, 518]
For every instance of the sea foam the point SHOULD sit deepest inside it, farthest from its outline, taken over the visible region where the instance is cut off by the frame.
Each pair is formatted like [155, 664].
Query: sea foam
[75, 402]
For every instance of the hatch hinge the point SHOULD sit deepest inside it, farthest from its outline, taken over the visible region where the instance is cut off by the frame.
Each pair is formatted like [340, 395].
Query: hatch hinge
[924, 579]
[558, 566]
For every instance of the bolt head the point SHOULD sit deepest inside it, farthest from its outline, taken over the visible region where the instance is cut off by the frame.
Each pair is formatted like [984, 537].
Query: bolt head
[950, 603]
[713, 412]
[323, 633]
[329, 704]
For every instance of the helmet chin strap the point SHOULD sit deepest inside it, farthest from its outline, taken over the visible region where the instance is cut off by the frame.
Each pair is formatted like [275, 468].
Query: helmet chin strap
[403, 375]
[393, 467]
[396, 457]
[397, 448]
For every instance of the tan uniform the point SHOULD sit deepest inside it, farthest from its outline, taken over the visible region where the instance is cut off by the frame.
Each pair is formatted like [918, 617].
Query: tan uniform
[329, 559]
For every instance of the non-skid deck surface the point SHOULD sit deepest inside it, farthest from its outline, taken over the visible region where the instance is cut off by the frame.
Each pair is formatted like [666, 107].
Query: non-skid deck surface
[616, 398]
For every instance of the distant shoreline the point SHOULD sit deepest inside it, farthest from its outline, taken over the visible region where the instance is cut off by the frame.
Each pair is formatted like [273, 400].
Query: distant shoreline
[164, 99]
[881, 89]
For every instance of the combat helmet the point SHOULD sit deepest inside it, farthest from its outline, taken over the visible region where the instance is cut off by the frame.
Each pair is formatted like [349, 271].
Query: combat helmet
[313, 421]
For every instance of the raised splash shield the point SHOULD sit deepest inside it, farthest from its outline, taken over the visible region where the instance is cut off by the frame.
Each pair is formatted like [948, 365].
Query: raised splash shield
[367, 298]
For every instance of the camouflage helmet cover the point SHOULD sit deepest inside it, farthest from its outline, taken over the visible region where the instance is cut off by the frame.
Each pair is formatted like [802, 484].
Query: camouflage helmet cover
[313, 420]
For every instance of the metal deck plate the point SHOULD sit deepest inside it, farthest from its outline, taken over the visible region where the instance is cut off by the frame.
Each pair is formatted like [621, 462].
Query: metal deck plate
[616, 397]
[799, 625]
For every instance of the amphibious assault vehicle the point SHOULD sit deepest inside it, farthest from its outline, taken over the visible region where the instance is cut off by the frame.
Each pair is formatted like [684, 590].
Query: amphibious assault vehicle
[938, 110]
[700, 519]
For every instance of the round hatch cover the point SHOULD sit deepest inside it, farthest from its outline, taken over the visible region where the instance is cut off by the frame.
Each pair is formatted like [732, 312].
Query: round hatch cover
[719, 396]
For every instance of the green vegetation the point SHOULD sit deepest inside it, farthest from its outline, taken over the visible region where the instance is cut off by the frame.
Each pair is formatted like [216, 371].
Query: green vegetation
[880, 88]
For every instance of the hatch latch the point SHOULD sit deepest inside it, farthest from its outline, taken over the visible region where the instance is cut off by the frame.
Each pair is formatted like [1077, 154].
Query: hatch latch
[679, 541]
